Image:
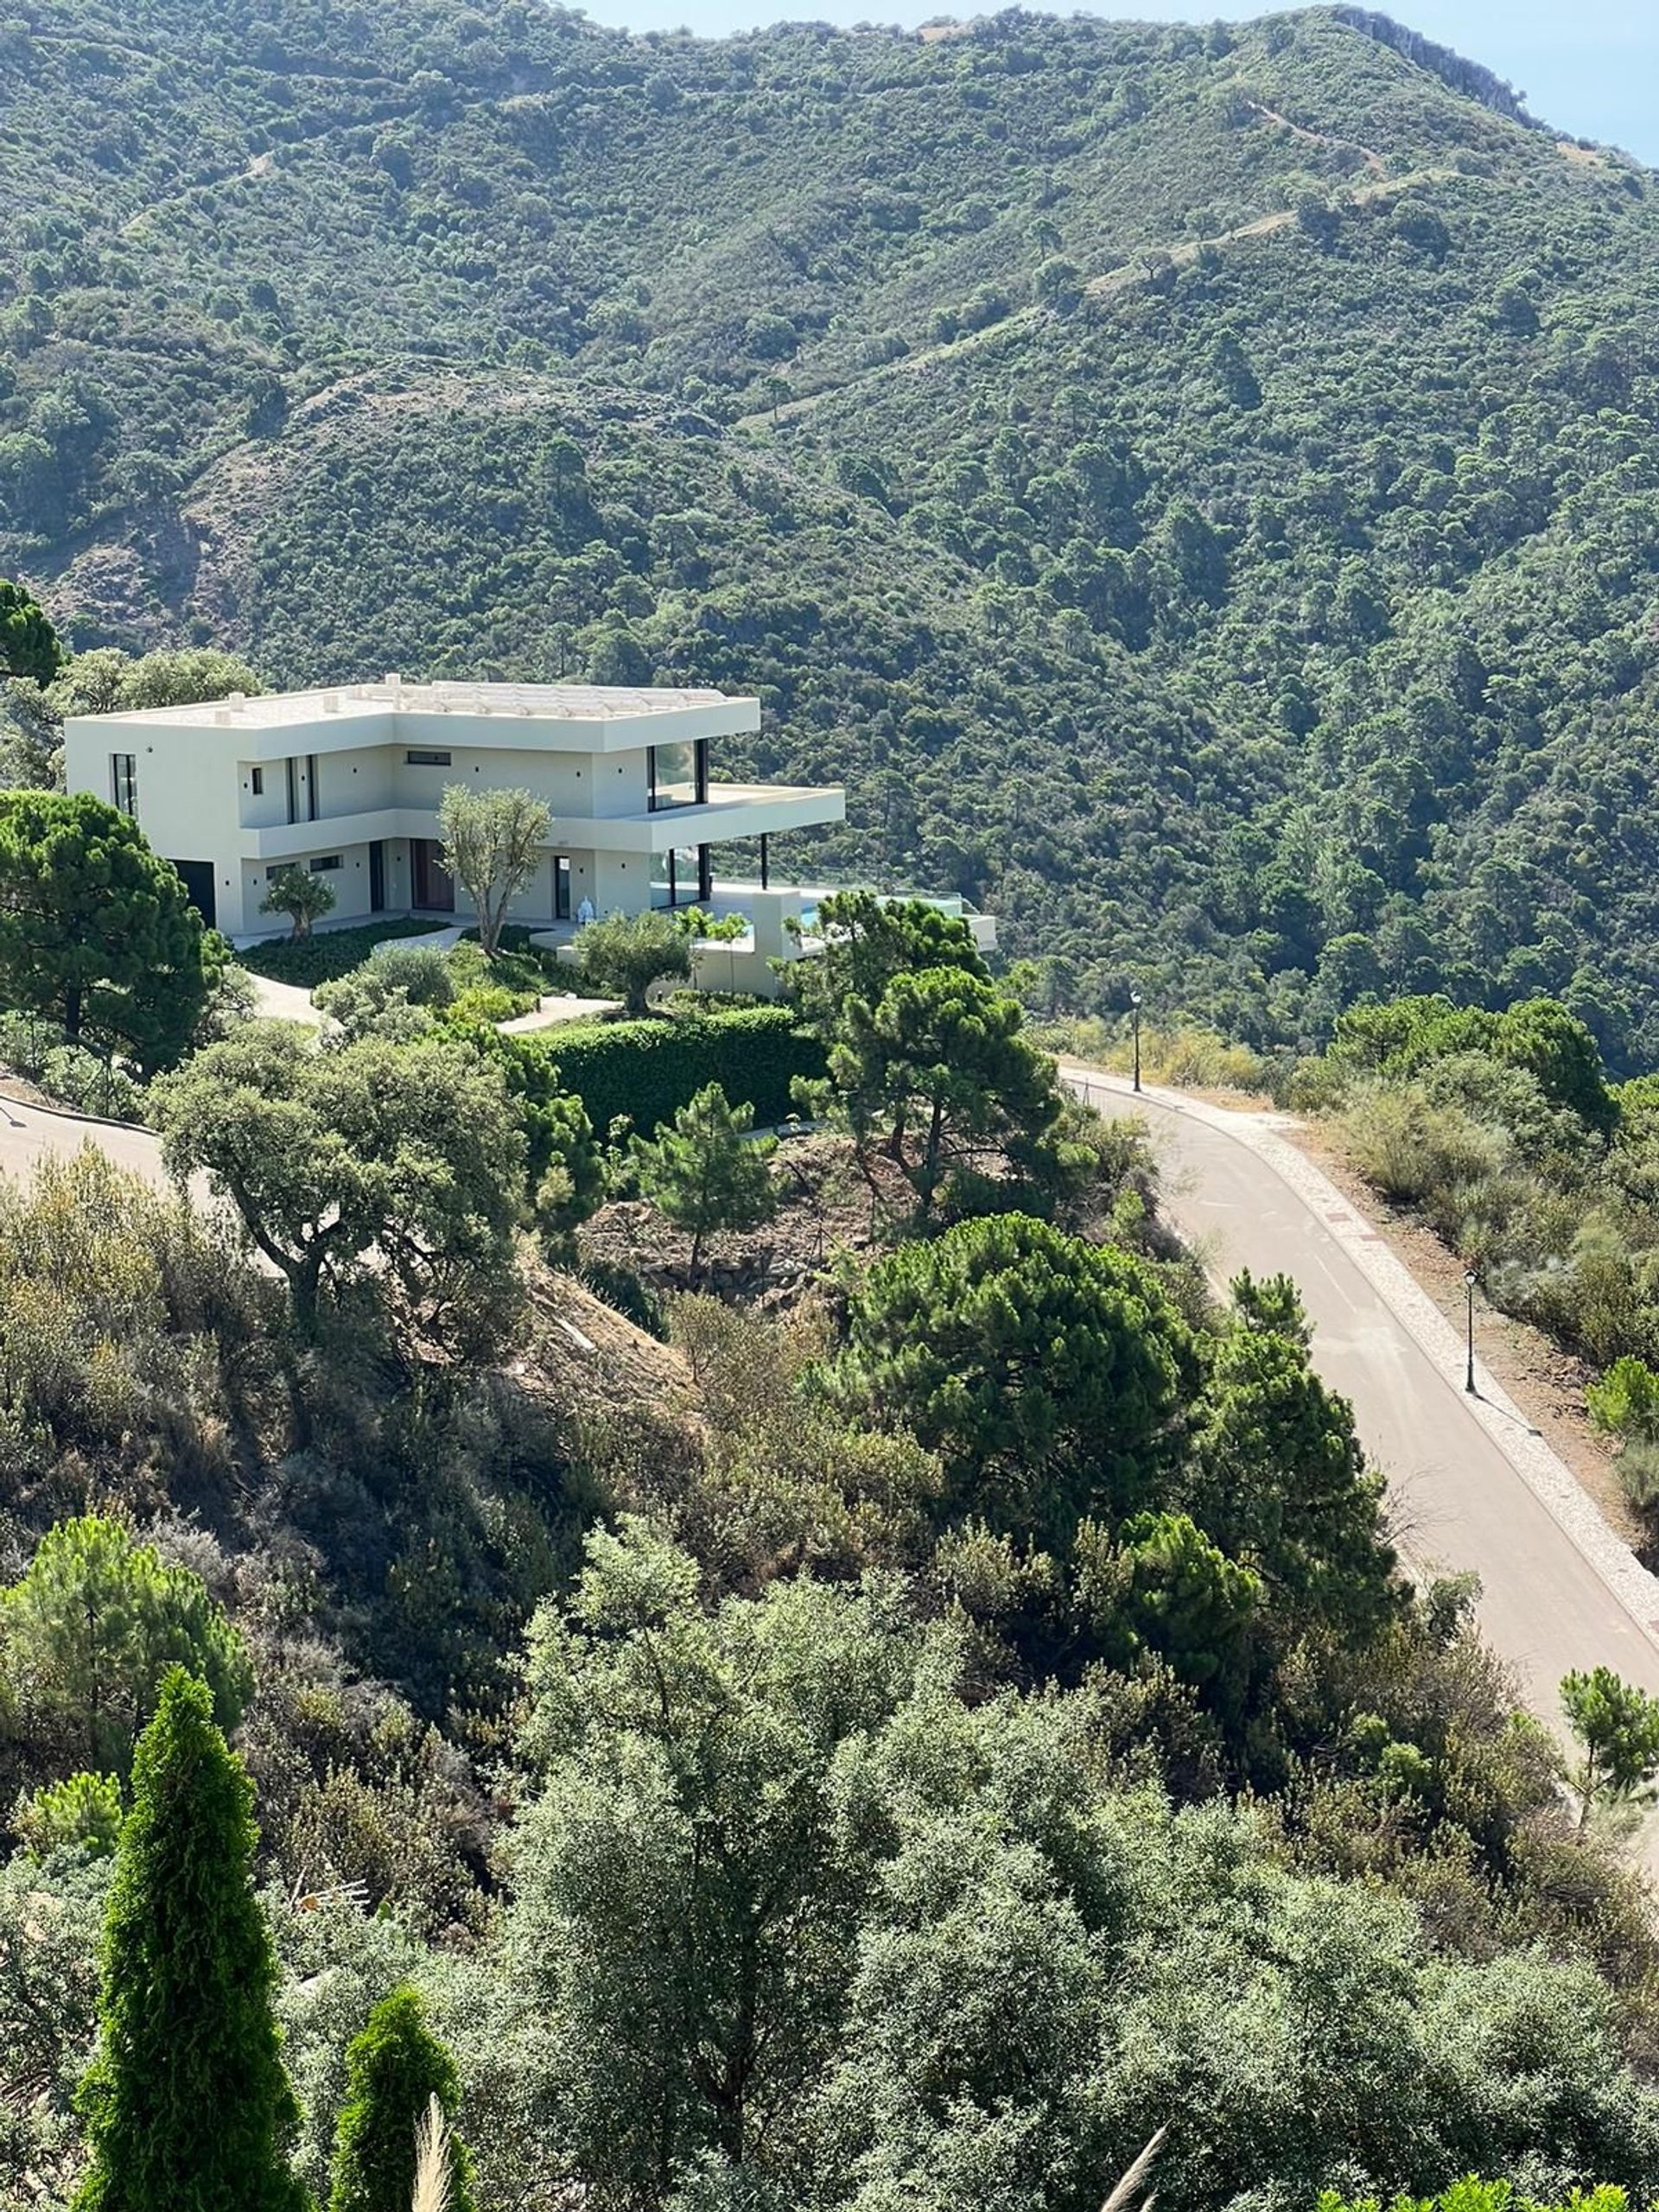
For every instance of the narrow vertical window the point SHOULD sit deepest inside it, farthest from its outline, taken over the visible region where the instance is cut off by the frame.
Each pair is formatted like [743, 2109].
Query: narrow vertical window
[123, 779]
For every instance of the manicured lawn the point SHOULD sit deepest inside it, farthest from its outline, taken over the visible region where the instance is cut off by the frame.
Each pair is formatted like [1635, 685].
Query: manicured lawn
[319, 959]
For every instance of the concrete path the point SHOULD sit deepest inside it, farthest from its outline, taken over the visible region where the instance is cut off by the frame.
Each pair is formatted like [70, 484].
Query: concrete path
[556, 1007]
[275, 1001]
[1471, 1484]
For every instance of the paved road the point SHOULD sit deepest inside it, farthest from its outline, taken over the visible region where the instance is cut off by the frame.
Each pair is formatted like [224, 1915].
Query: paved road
[27, 1135]
[1555, 1596]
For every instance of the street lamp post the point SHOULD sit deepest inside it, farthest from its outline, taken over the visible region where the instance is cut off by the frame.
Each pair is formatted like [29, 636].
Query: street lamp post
[1469, 1278]
[1134, 1008]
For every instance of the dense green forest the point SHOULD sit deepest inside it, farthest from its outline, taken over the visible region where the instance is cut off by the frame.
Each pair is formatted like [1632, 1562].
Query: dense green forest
[1192, 485]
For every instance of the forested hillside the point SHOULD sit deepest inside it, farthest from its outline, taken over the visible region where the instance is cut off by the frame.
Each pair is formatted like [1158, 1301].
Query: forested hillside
[1193, 485]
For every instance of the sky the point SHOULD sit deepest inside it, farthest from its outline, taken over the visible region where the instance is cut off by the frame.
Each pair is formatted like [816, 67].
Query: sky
[1590, 67]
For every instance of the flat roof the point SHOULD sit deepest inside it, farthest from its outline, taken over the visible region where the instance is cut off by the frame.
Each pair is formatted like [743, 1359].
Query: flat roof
[582, 702]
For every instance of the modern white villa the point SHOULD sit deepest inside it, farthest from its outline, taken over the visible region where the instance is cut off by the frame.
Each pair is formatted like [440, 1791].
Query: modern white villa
[346, 782]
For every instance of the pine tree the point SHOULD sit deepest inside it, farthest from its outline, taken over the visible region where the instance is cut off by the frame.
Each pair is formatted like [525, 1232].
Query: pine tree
[187, 2107]
[393, 2071]
[705, 1172]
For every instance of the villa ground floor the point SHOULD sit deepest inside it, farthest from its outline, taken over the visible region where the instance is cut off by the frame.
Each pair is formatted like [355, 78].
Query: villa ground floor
[400, 875]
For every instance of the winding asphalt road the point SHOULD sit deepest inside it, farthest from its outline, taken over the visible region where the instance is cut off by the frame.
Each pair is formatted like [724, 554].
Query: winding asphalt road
[1471, 1485]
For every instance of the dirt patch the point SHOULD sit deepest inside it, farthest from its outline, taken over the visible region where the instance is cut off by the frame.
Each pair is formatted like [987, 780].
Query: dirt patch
[20, 1088]
[825, 1206]
[1545, 1381]
[588, 1358]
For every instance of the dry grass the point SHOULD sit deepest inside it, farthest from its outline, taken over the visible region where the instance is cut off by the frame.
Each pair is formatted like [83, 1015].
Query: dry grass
[431, 2161]
[1181, 1058]
[1127, 2193]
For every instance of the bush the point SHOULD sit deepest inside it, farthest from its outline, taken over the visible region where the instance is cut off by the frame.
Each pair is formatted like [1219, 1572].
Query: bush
[648, 1070]
[1625, 1401]
[82, 1813]
[67, 1072]
[490, 1002]
[91, 1084]
[421, 972]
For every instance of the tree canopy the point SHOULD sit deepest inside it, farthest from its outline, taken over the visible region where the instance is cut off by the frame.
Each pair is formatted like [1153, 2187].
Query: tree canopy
[28, 644]
[398, 1170]
[493, 842]
[95, 932]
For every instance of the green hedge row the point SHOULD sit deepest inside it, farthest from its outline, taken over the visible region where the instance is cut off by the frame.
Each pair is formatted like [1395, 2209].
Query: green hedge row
[648, 1070]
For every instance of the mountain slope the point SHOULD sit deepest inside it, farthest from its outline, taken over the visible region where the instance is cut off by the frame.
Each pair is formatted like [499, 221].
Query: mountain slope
[1195, 486]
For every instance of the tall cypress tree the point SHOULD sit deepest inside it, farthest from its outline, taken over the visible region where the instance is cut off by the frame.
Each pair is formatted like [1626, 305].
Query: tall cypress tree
[393, 2070]
[187, 2107]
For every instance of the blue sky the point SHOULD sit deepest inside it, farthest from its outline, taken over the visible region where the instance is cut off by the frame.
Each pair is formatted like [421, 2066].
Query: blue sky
[1591, 67]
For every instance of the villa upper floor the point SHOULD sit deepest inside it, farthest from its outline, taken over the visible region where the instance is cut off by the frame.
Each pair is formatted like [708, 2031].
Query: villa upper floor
[260, 776]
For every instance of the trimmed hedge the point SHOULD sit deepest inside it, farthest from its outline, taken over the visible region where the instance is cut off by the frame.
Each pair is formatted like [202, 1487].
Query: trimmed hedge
[648, 1070]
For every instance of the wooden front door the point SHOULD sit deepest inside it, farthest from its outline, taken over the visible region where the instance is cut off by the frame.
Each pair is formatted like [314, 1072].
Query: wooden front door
[433, 886]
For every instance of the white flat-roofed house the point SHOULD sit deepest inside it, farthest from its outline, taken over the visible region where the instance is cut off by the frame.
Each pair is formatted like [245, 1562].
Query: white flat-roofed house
[346, 782]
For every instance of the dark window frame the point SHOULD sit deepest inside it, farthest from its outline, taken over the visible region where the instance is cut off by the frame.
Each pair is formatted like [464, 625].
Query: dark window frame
[123, 784]
[655, 802]
[419, 756]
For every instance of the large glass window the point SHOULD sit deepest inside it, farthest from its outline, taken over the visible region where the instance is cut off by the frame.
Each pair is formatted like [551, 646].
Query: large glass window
[679, 775]
[682, 877]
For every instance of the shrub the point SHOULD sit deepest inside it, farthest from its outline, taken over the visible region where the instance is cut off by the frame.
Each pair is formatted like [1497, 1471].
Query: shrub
[648, 1070]
[72, 1075]
[81, 1813]
[91, 1084]
[490, 1002]
[421, 972]
[1625, 1401]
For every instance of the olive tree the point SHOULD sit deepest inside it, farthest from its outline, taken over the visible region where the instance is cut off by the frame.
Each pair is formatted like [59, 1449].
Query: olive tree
[493, 846]
[301, 893]
[626, 953]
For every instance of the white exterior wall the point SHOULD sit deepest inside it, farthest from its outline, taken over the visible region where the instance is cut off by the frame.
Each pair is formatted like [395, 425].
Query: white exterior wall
[195, 768]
